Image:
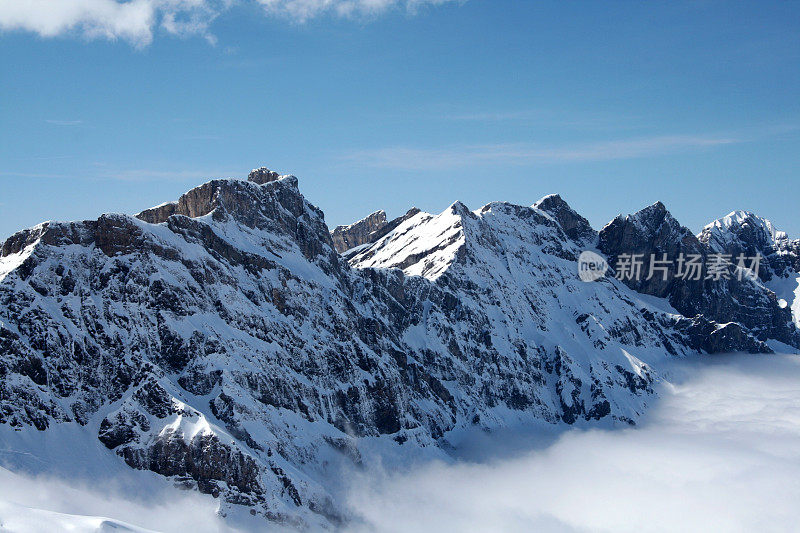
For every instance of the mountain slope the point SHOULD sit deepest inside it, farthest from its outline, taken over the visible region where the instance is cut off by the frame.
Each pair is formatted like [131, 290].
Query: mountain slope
[220, 340]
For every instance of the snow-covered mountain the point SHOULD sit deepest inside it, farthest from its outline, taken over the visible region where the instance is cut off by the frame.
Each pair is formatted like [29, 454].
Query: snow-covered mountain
[735, 301]
[222, 341]
[743, 232]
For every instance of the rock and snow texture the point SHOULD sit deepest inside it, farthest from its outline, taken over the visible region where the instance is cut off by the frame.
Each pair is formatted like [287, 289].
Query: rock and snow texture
[574, 225]
[743, 232]
[366, 231]
[358, 233]
[221, 341]
[744, 306]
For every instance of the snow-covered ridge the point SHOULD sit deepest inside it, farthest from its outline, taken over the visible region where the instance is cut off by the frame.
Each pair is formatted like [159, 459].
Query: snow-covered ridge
[745, 233]
[222, 342]
[720, 233]
[423, 245]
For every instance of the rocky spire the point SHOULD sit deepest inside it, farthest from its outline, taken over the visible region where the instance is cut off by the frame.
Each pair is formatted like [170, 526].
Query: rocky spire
[262, 175]
[574, 225]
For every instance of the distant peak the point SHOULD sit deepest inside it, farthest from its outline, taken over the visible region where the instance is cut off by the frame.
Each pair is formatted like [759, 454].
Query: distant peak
[743, 226]
[657, 209]
[376, 218]
[736, 219]
[574, 225]
[459, 208]
[552, 203]
[549, 199]
[650, 220]
[263, 175]
[358, 233]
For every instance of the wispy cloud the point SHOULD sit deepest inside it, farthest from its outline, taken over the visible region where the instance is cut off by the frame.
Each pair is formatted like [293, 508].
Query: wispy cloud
[412, 158]
[37, 175]
[482, 116]
[551, 118]
[136, 21]
[303, 10]
[64, 122]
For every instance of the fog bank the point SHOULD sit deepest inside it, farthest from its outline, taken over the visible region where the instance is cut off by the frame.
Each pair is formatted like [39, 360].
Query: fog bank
[720, 450]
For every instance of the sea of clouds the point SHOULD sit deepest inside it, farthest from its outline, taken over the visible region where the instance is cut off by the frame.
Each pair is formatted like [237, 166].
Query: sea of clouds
[719, 450]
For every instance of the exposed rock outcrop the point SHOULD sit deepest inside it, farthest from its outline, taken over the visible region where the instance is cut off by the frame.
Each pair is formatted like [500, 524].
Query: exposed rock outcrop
[743, 232]
[222, 341]
[263, 175]
[358, 233]
[574, 225]
[366, 230]
[654, 232]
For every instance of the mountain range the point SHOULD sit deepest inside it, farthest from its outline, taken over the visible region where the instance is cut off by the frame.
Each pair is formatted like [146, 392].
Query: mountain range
[231, 342]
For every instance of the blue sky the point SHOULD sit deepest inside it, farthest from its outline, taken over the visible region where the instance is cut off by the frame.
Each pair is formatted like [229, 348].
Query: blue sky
[385, 104]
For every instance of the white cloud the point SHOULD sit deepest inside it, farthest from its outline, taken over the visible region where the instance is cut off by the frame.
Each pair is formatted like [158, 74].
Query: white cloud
[136, 21]
[36, 503]
[303, 10]
[402, 157]
[131, 21]
[64, 122]
[720, 452]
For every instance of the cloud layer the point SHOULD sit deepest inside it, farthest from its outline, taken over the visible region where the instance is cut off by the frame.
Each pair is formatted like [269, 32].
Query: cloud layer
[34, 503]
[136, 21]
[721, 452]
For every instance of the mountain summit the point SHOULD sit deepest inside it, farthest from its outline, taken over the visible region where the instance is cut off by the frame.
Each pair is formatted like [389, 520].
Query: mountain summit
[230, 342]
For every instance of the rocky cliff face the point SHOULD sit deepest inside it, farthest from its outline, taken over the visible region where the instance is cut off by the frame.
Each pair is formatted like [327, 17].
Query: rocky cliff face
[366, 230]
[574, 225]
[653, 231]
[358, 233]
[221, 340]
[742, 232]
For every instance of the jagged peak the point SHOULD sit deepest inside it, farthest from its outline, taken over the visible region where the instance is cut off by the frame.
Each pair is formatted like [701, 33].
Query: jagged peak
[554, 196]
[458, 207]
[548, 200]
[655, 219]
[359, 232]
[573, 223]
[652, 216]
[515, 210]
[379, 216]
[204, 198]
[264, 175]
[656, 207]
[348, 239]
[742, 230]
[419, 243]
[736, 220]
